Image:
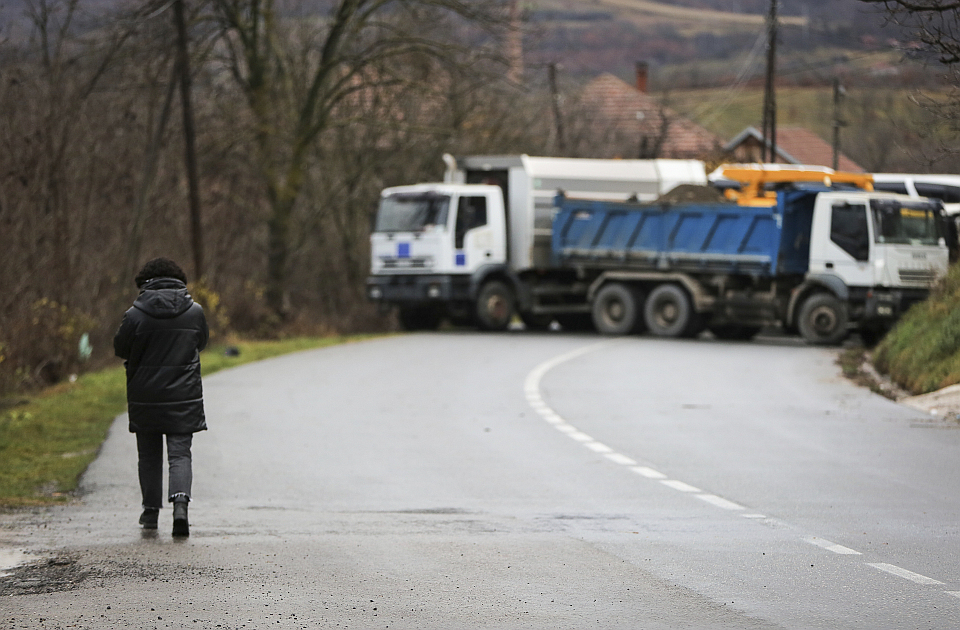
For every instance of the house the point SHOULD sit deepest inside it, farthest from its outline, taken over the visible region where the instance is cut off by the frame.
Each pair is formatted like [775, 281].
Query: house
[620, 120]
[795, 145]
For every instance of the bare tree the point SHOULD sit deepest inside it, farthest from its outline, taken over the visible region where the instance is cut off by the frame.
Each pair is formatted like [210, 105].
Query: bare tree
[936, 25]
[295, 73]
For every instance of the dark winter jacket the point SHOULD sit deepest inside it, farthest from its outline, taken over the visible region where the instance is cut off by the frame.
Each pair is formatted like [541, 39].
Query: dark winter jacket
[160, 340]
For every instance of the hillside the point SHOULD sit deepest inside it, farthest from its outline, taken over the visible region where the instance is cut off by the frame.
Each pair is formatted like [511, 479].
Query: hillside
[611, 35]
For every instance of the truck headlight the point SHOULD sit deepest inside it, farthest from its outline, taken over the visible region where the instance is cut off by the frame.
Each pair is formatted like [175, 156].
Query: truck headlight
[375, 293]
[433, 291]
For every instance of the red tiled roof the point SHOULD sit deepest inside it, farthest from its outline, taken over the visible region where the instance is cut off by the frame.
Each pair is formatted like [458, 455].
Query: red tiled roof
[795, 145]
[635, 116]
[807, 147]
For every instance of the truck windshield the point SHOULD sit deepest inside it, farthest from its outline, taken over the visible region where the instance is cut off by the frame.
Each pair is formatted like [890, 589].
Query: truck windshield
[911, 223]
[412, 212]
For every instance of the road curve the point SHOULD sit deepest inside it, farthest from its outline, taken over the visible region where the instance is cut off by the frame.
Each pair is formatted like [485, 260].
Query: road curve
[521, 480]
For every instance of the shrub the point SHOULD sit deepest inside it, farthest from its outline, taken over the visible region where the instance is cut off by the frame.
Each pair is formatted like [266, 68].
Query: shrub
[40, 347]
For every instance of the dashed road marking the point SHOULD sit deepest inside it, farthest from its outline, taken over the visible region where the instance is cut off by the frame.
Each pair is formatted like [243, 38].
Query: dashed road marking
[623, 460]
[536, 402]
[679, 485]
[907, 575]
[647, 472]
[597, 447]
[719, 502]
[829, 546]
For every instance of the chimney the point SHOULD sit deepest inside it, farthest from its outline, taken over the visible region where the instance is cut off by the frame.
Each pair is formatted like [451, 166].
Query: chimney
[643, 69]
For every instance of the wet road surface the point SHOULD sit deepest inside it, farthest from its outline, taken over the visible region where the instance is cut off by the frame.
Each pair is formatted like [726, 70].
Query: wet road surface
[462, 480]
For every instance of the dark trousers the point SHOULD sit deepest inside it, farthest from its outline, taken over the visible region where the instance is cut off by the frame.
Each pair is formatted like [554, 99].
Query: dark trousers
[150, 449]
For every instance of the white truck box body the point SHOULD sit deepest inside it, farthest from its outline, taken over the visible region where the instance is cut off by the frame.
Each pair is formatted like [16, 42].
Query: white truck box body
[532, 183]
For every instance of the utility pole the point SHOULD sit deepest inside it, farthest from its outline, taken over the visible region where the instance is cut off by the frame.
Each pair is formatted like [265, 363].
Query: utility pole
[769, 93]
[838, 93]
[189, 137]
[557, 117]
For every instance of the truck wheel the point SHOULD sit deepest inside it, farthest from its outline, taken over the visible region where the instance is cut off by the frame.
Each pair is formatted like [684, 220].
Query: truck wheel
[495, 306]
[616, 309]
[823, 320]
[419, 318]
[668, 312]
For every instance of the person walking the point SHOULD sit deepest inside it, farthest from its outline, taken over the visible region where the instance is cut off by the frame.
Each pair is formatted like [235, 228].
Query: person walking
[160, 339]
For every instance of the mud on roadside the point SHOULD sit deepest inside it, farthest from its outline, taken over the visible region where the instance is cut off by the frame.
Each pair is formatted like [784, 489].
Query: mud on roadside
[49, 575]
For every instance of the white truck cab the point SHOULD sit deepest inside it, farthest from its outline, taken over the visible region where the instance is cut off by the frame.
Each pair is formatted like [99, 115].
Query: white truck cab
[438, 228]
[878, 252]
[872, 239]
[430, 242]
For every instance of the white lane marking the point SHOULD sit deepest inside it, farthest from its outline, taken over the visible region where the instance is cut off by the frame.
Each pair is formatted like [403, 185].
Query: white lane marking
[551, 417]
[679, 485]
[532, 384]
[907, 575]
[829, 546]
[531, 389]
[649, 473]
[623, 460]
[719, 502]
[597, 447]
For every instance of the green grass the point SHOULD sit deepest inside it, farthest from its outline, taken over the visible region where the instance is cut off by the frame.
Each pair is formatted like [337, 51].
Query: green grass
[47, 441]
[729, 113]
[922, 353]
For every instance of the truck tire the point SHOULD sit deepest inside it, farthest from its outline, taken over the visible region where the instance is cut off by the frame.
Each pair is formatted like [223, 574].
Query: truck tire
[495, 306]
[823, 320]
[668, 312]
[617, 310]
[419, 318]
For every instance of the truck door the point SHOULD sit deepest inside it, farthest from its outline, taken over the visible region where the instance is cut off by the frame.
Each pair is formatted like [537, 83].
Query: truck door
[848, 254]
[495, 177]
[474, 241]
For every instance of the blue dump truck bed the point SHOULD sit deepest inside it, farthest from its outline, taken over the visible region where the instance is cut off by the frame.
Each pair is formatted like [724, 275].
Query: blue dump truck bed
[689, 237]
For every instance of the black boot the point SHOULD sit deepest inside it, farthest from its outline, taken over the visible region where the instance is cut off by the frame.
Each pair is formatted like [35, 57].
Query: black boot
[149, 518]
[180, 525]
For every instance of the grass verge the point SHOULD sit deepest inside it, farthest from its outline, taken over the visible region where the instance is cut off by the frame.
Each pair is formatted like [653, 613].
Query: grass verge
[922, 352]
[48, 440]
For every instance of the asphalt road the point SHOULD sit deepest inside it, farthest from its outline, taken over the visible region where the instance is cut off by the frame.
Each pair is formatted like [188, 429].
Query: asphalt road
[520, 480]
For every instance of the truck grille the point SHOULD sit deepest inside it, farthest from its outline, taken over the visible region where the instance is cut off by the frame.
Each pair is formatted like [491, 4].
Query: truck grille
[917, 276]
[421, 262]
